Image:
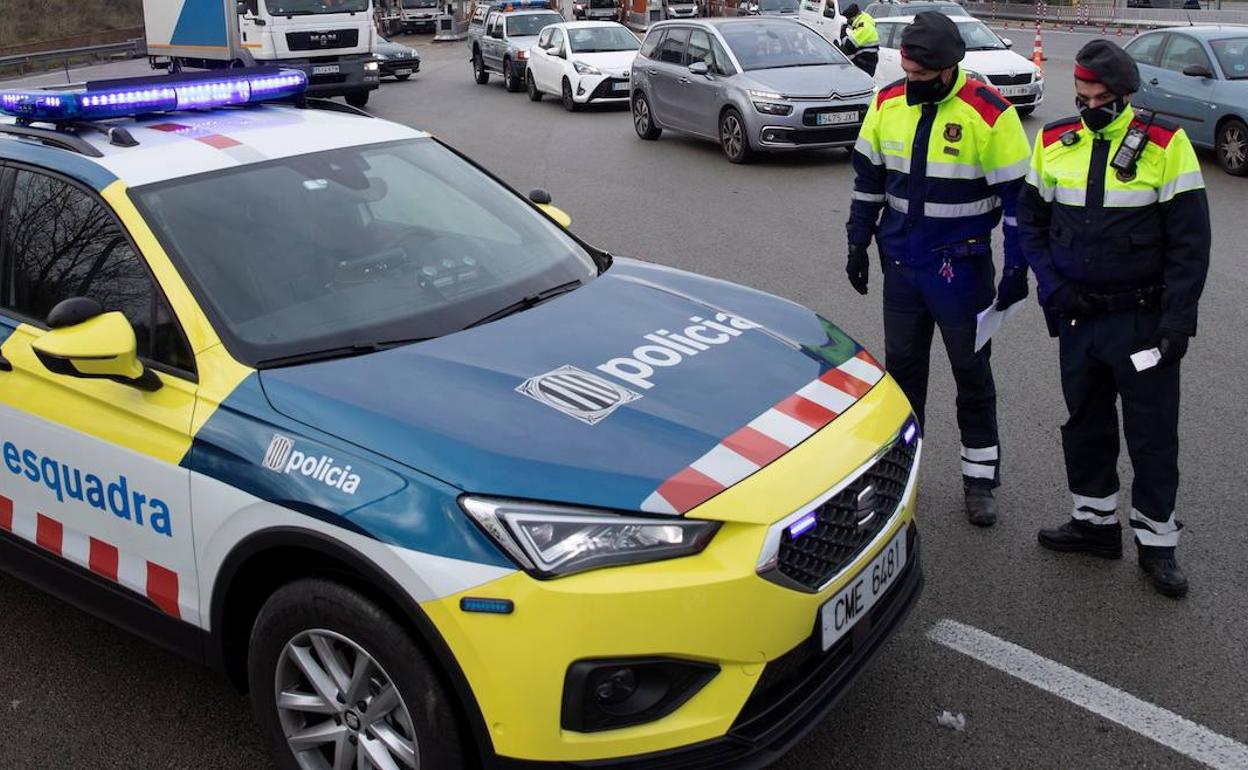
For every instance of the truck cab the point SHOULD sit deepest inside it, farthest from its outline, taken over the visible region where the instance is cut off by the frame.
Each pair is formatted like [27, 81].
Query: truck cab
[418, 15]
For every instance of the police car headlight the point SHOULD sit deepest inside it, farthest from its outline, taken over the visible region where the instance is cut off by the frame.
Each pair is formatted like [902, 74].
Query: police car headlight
[550, 541]
[585, 69]
[370, 66]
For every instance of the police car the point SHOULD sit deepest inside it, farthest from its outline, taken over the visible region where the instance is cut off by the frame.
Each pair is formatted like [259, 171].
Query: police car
[308, 396]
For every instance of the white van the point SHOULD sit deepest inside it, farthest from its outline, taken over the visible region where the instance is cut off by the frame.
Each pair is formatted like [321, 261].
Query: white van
[824, 16]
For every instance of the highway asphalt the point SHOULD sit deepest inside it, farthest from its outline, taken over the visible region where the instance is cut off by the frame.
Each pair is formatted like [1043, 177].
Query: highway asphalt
[74, 692]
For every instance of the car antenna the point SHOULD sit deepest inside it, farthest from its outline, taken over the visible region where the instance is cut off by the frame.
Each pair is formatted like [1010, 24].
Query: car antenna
[1189, 19]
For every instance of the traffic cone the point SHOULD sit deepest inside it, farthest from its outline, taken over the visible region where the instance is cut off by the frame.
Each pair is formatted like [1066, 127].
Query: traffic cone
[1037, 52]
[1119, 32]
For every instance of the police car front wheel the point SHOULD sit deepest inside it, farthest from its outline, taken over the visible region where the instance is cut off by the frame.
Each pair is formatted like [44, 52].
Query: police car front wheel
[334, 678]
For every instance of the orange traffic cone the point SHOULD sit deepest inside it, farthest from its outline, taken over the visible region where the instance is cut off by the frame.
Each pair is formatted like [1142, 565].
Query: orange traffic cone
[1037, 52]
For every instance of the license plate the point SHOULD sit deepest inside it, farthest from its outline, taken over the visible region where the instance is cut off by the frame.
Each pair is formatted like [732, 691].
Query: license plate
[324, 69]
[1014, 90]
[835, 118]
[402, 72]
[855, 600]
[619, 86]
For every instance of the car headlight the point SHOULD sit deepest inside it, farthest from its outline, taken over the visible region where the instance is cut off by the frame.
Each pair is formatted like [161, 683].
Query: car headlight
[771, 108]
[551, 541]
[585, 69]
[370, 66]
[763, 94]
[522, 54]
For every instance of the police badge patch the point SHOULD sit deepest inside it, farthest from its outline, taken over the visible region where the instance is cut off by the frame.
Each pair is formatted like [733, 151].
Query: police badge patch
[953, 132]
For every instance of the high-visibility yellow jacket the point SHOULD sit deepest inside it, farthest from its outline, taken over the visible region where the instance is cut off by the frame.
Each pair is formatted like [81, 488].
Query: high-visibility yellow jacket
[861, 35]
[943, 173]
[1115, 232]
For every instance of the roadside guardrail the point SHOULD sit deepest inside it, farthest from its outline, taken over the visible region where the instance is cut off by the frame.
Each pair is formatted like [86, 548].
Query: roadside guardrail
[1103, 14]
[130, 49]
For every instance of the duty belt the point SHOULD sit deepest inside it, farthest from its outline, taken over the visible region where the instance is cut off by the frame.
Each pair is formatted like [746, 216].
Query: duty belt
[1145, 298]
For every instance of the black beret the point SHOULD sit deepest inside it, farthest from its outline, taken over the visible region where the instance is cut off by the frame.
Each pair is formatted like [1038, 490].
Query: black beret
[851, 10]
[1104, 62]
[932, 41]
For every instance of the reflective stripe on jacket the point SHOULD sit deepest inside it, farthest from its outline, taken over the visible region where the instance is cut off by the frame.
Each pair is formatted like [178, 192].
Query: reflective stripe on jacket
[1109, 231]
[942, 173]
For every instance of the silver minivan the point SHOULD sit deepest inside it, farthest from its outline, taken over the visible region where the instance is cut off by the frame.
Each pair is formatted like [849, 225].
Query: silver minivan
[753, 84]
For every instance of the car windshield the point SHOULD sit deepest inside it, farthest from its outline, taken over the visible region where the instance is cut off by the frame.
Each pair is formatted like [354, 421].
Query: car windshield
[602, 39]
[978, 37]
[778, 44]
[1232, 53]
[420, 3]
[309, 7]
[356, 249]
[777, 6]
[530, 23]
[948, 9]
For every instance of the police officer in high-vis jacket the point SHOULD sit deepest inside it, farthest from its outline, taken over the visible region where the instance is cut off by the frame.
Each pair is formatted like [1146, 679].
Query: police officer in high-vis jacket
[859, 39]
[1115, 223]
[943, 157]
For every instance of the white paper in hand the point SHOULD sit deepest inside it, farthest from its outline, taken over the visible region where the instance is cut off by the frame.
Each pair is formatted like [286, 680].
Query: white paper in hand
[990, 321]
[1146, 359]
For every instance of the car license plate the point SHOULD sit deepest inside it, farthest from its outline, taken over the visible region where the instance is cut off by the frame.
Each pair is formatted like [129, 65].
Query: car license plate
[619, 86]
[855, 600]
[402, 72]
[1014, 90]
[325, 69]
[835, 118]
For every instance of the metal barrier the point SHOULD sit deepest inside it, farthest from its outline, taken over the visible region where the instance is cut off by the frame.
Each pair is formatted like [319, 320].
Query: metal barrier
[449, 29]
[1097, 14]
[130, 49]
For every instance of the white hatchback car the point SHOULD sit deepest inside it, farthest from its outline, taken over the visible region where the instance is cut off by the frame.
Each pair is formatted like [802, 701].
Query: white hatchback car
[582, 62]
[988, 58]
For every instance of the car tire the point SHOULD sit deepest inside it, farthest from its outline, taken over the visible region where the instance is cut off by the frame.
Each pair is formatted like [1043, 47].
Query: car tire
[479, 72]
[569, 103]
[357, 99]
[643, 118]
[402, 78]
[1232, 147]
[324, 627]
[531, 84]
[1024, 112]
[733, 138]
[510, 81]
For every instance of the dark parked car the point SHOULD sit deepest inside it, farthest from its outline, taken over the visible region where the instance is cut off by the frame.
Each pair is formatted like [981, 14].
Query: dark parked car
[396, 60]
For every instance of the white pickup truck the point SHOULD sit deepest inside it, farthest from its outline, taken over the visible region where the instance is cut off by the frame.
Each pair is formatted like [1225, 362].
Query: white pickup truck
[500, 36]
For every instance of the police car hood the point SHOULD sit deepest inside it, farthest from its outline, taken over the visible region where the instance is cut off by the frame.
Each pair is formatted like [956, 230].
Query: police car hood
[606, 396]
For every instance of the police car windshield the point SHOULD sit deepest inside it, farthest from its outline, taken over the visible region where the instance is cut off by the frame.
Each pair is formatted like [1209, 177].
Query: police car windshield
[309, 7]
[1232, 54]
[354, 249]
[527, 24]
[978, 37]
[775, 44]
[602, 39]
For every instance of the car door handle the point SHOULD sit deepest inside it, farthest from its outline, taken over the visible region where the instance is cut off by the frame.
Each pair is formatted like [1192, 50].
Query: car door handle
[1154, 82]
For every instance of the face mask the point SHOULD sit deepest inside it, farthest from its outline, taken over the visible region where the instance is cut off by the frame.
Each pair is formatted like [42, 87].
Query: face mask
[925, 91]
[1098, 119]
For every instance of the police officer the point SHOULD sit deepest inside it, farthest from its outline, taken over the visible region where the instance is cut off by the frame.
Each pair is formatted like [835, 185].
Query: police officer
[944, 157]
[1115, 223]
[859, 40]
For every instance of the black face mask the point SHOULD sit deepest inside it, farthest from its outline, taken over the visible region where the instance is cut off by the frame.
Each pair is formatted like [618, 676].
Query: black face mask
[926, 91]
[1098, 119]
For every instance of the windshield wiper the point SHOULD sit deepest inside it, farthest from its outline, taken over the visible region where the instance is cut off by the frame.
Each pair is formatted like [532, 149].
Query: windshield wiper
[329, 354]
[985, 48]
[524, 303]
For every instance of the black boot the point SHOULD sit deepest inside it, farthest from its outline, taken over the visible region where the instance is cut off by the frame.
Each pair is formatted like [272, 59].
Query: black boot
[1164, 571]
[1080, 537]
[981, 506]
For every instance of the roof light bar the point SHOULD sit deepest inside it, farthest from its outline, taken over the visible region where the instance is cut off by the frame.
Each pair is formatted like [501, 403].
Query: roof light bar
[512, 5]
[121, 98]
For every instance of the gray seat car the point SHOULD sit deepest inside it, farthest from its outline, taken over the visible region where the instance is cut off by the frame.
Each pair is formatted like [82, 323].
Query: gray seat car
[752, 84]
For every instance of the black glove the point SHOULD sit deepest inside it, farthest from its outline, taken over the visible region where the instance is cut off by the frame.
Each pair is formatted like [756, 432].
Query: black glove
[1171, 344]
[858, 267]
[1073, 301]
[1012, 288]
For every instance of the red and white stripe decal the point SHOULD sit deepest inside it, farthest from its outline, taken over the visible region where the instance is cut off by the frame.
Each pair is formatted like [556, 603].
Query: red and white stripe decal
[157, 583]
[767, 436]
[227, 144]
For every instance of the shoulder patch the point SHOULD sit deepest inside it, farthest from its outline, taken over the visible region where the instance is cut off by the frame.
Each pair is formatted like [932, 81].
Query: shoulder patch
[1053, 131]
[984, 99]
[890, 91]
[1160, 132]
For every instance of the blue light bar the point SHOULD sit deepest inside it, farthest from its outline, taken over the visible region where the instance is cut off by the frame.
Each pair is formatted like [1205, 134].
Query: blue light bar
[121, 98]
[911, 430]
[504, 5]
[487, 606]
[803, 525]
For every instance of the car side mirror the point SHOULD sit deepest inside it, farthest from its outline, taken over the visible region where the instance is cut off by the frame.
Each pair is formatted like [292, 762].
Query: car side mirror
[699, 68]
[1197, 71]
[1007, 42]
[543, 201]
[86, 342]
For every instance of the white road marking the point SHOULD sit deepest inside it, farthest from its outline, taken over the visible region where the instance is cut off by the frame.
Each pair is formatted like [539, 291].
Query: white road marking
[1153, 722]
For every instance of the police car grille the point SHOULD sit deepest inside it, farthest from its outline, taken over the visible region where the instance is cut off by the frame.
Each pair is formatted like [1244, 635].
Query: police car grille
[1010, 80]
[815, 556]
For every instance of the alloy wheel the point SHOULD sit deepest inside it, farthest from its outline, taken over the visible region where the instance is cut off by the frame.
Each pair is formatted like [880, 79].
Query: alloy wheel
[732, 136]
[641, 115]
[339, 709]
[1234, 149]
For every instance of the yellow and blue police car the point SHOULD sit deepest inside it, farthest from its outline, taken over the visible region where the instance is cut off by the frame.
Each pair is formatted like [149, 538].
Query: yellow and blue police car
[310, 397]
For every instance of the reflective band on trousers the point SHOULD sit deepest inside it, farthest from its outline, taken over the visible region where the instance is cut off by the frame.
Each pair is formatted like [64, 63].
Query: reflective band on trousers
[868, 197]
[977, 471]
[1158, 534]
[947, 210]
[1100, 511]
[980, 454]
[1192, 180]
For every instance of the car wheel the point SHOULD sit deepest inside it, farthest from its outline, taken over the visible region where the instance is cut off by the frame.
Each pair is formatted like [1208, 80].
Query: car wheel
[401, 78]
[643, 121]
[733, 138]
[510, 82]
[531, 85]
[357, 99]
[479, 72]
[569, 103]
[1025, 111]
[335, 682]
[1232, 147]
